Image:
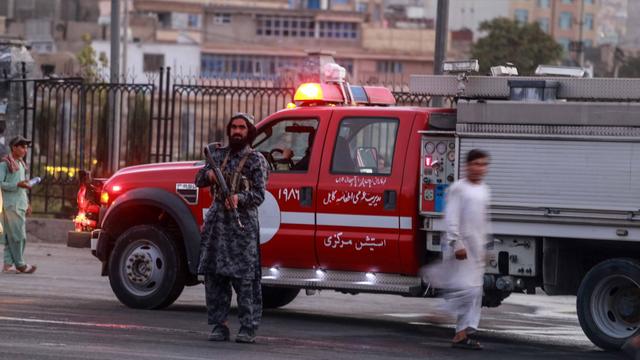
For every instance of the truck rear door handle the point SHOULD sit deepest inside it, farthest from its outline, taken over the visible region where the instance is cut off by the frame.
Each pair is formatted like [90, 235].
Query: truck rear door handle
[306, 196]
[390, 199]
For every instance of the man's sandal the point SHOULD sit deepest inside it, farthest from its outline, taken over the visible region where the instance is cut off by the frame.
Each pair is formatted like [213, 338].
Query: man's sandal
[467, 344]
[26, 269]
[9, 269]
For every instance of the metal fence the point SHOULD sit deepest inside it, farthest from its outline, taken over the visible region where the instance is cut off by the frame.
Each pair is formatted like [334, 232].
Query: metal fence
[102, 127]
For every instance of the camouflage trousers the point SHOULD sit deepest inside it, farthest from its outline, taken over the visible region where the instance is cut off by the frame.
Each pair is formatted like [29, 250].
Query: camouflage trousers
[248, 295]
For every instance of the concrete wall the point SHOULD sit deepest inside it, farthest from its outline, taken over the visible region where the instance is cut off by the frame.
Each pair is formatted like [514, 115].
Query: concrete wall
[183, 58]
[407, 41]
[48, 230]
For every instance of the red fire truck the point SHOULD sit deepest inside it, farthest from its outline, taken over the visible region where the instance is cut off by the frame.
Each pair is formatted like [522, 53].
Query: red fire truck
[359, 206]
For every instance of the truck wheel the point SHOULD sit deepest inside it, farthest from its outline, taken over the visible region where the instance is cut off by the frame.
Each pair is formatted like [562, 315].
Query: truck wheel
[275, 297]
[146, 268]
[608, 303]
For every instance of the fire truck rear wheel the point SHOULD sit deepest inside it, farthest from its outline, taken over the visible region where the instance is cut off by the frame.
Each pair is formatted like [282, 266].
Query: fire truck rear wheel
[146, 268]
[275, 297]
[608, 303]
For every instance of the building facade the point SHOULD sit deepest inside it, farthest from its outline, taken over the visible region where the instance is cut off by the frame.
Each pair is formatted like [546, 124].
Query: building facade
[570, 22]
[270, 40]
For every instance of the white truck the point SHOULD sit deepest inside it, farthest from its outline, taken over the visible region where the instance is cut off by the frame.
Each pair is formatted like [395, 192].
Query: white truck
[565, 184]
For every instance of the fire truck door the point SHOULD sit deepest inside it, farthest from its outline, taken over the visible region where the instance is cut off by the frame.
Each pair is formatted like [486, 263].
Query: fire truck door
[358, 216]
[293, 148]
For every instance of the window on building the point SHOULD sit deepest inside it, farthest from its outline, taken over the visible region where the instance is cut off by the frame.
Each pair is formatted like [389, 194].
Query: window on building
[588, 21]
[245, 66]
[522, 15]
[338, 30]
[389, 67]
[544, 24]
[567, 1]
[589, 2]
[193, 21]
[296, 136]
[565, 20]
[365, 146]
[362, 7]
[588, 43]
[25, 5]
[221, 18]
[152, 62]
[313, 4]
[544, 4]
[164, 18]
[286, 26]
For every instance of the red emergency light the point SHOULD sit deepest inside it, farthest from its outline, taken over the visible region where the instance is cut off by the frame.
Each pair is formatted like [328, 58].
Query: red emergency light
[332, 94]
[319, 93]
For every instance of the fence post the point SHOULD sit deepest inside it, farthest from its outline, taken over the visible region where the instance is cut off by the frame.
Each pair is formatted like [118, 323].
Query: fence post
[25, 98]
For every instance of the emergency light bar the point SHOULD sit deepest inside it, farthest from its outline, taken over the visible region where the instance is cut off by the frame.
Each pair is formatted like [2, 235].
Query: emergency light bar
[310, 94]
[552, 70]
[460, 66]
[318, 93]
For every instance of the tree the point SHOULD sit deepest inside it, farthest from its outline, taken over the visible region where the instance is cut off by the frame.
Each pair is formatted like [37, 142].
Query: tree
[89, 64]
[630, 67]
[524, 45]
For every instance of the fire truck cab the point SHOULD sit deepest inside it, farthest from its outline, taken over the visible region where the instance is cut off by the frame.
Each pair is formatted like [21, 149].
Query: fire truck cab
[357, 190]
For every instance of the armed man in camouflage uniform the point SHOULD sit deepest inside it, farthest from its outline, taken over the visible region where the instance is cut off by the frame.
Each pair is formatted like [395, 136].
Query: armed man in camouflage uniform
[229, 255]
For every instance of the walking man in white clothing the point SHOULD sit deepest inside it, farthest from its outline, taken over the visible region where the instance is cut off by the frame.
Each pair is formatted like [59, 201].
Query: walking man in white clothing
[464, 252]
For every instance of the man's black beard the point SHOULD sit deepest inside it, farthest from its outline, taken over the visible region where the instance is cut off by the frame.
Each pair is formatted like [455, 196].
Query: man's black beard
[237, 144]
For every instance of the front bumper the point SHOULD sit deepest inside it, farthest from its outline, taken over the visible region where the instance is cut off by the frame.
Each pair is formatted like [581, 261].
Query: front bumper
[79, 239]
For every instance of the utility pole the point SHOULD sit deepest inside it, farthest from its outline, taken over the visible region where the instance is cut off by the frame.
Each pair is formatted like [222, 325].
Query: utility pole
[580, 35]
[115, 41]
[125, 44]
[442, 23]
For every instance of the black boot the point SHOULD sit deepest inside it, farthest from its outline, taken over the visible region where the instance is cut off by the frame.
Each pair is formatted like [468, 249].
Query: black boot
[219, 333]
[246, 335]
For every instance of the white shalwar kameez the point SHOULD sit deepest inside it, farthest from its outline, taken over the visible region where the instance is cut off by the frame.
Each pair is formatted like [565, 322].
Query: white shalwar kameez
[468, 226]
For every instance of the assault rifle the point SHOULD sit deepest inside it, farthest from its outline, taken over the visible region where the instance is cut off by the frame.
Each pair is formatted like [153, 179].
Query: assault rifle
[221, 183]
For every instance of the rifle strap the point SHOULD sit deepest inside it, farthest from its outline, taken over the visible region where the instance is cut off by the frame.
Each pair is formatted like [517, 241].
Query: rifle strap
[238, 173]
[214, 188]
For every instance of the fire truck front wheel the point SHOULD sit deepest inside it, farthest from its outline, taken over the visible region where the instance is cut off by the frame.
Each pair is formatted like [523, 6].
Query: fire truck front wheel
[275, 297]
[608, 303]
[146, 268]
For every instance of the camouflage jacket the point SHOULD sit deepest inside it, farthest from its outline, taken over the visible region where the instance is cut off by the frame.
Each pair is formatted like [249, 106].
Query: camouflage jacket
[226, 249]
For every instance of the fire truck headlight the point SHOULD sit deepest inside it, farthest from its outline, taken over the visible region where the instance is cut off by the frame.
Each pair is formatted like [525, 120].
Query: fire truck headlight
[370, 276]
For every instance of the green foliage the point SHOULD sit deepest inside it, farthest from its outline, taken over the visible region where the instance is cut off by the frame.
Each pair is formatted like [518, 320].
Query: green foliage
[90, 64]
[630, 68]
[101, 167]
[524, 45]
[138, 129]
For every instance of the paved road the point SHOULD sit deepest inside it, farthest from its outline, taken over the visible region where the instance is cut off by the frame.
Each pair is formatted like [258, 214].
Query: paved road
[67, 311]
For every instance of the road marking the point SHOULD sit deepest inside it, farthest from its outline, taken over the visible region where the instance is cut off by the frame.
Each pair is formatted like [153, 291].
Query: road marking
[95, 325]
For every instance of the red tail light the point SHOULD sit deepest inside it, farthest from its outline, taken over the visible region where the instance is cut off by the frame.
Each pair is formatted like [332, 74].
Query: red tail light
[82, 197]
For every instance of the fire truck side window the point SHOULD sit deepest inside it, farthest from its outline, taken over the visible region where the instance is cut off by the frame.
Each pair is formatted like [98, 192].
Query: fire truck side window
[287, 144]
[365, 146]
